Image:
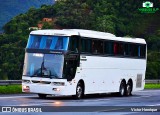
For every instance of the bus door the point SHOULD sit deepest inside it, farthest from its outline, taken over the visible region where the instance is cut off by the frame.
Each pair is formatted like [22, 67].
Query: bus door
[70, 66]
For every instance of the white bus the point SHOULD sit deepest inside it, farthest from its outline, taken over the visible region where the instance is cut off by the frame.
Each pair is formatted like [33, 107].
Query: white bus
[78, 62]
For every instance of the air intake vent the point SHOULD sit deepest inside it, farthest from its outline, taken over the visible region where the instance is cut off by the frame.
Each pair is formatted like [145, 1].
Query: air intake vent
[139, 81]
[41, 82]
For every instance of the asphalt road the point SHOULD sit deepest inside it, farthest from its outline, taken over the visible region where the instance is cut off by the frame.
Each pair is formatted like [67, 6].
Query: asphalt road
[147, 101]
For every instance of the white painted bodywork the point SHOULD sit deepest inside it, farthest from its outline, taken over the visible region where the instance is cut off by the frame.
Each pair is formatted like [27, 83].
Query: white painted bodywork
[100, 74]
[104, 74]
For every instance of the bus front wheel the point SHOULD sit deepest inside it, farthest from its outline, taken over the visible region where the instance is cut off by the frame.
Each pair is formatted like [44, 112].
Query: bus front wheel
[79, 91]
[42, 96]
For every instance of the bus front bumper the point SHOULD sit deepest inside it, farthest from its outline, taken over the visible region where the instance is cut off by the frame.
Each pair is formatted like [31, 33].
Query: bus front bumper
[48, 89]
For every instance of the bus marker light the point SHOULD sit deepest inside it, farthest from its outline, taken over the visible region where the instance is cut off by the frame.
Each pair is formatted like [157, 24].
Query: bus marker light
[56, 89]
[58, 83]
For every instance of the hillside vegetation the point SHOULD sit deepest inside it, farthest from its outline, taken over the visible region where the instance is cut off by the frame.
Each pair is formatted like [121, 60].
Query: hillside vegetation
[120, 17]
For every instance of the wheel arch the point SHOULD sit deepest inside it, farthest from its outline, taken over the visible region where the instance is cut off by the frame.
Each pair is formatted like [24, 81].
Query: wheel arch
[123, 80]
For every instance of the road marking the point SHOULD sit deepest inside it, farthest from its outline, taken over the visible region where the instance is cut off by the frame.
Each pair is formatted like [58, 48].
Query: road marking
[32, 104]
[15, 97]
[154, 105]
[155, 90]
[97, 100]
[147, 96]
[110, 110]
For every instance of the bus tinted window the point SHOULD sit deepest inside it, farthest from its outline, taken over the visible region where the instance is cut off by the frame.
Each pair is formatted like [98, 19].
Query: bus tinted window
[86, 45]
[73, 44]
[97, 47]
[135, 50]
[118, 48]
[35, 42]
[108, 47]
[48, 42]
[143, 51]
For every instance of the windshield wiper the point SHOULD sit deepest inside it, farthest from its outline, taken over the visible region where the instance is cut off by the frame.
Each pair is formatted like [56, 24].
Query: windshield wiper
[33, 76]
[53, 76]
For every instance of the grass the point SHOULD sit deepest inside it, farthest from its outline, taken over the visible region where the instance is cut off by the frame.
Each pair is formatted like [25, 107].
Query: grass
[152, 86]
[13, 89]
[10, 89]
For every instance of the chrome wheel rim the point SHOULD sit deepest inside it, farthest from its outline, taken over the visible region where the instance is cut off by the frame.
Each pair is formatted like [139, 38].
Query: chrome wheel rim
[79, 91]
[122, 91]
[128, 89]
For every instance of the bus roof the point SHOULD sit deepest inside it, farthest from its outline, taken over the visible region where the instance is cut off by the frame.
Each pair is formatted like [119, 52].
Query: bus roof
[87, 33]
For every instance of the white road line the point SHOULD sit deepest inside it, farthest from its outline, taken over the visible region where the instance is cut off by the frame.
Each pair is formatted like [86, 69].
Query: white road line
[32, 104]
[117, 98]
[15, 97]
[147, 96]
[110, 110]
[97, 100]
[154, 105]
[155, 90]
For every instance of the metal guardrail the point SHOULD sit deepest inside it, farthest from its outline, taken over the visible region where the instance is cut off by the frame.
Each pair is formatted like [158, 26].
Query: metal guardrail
[10, 82]
[154, 81]
[18, 82]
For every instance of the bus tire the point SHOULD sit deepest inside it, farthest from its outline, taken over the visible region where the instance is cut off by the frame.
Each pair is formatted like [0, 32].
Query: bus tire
[122, 89]
[42, 96]
[79, 91]
[129, 89]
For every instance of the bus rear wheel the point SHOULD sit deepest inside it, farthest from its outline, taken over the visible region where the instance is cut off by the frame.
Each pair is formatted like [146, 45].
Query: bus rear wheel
[122, 89]
[129, 89]
[79, 91]
[42, 96]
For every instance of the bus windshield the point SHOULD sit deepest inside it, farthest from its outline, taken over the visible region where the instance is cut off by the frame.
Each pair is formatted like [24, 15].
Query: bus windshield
[43, 65]
[48, 42]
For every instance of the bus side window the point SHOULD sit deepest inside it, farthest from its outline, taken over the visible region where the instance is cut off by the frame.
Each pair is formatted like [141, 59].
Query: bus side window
[134, 50]
[108, 47]
[97, 47]
[139, 51]
[73, 44]
[82, 45]
[120, 48]
[115, 48]
[143, 51]
[86, 45]
[127, 49]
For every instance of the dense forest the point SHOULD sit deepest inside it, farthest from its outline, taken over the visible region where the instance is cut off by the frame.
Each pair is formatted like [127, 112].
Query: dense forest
[120, 17]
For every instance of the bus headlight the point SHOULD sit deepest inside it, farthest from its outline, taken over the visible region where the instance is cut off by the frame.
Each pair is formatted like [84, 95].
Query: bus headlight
[58, 83]
[25, 81]
[56, 89]
[25, 88]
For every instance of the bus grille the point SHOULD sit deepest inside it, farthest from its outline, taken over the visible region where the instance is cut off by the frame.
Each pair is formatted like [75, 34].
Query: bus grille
[41, 82]
[139, 81]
